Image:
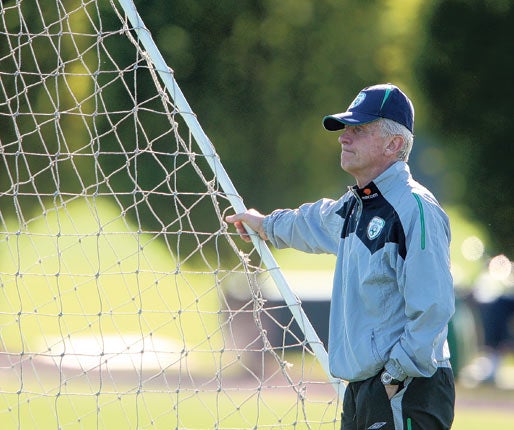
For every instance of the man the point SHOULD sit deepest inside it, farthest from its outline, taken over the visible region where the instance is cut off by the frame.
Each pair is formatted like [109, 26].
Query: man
[393, 293]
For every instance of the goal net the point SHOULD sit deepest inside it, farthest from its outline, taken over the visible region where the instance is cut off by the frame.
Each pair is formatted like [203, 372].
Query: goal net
[125, 301]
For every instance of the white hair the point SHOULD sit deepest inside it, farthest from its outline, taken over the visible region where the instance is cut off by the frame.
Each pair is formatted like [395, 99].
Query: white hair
[392, 128]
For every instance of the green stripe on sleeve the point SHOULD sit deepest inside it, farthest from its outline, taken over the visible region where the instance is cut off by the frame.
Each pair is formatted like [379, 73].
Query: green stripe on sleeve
[421, 219]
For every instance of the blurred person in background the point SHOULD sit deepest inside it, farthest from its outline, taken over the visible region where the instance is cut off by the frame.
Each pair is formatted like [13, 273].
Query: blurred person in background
[393, 293]
[494, 300]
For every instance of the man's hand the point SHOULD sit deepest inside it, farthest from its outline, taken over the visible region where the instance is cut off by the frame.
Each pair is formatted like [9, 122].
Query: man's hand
[252, 219]
[391, 390]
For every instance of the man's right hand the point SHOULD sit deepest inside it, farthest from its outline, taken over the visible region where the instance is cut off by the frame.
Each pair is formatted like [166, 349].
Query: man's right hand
[253, 219]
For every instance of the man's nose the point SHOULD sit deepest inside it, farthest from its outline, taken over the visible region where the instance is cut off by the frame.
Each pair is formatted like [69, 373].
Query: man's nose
[343, 138]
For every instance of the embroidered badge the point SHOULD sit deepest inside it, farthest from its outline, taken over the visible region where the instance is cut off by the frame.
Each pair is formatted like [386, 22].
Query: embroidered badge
[375, 226]
[358, 100]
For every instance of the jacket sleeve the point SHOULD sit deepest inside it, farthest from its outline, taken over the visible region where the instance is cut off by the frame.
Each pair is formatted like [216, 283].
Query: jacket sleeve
[313, 227]
[427, 286]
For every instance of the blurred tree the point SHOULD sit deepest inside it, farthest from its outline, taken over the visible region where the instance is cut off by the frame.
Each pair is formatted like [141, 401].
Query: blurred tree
[466, 70]
[262, 74]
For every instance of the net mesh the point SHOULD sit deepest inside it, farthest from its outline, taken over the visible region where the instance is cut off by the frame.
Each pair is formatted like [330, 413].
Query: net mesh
[124, 300]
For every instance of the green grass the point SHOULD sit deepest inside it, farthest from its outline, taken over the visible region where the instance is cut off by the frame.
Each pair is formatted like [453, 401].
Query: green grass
[85, 272]
[79, 278]
[484, 407]
[236, 409]
[491, 418]
[162, 409]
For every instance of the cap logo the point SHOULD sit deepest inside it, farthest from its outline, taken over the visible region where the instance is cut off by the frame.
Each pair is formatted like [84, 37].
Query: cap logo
[375, 226]
[358, 100]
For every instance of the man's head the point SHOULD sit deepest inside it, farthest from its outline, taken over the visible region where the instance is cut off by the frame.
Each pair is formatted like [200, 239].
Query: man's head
[385, 102]
[376, 131]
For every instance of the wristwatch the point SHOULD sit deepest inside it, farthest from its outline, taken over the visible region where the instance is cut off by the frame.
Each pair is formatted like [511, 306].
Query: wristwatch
[387, 379]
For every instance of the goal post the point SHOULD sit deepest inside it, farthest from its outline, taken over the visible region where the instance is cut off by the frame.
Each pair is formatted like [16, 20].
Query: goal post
[124, 300]
[226, 184]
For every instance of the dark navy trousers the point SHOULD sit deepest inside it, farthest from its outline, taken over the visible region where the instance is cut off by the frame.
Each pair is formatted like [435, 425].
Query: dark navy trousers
[420, 404]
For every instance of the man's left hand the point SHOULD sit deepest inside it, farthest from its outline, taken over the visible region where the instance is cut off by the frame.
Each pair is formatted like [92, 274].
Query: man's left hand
[391, 390]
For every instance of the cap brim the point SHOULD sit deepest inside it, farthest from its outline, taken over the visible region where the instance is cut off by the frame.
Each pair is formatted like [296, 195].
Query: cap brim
[339, 120]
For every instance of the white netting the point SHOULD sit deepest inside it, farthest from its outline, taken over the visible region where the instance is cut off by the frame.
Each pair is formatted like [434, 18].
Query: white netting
[124, 301]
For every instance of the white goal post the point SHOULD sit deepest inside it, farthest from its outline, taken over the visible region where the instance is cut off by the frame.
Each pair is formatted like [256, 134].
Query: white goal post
[124, 299]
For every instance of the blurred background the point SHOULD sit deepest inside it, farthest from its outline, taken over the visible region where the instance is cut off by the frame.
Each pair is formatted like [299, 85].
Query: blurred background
[261, 75]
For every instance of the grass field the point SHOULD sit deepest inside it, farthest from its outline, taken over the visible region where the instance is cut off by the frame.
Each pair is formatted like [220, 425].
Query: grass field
[484, 408]
[159, 410]
[52, 398]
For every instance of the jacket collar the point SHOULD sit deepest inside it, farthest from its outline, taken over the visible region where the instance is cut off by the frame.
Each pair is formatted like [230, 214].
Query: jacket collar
[383, 183]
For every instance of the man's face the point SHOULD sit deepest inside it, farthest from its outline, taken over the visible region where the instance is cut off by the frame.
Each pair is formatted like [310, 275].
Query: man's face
[363, 151]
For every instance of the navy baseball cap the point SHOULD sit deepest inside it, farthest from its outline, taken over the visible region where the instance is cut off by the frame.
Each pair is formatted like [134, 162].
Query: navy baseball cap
[372, 103]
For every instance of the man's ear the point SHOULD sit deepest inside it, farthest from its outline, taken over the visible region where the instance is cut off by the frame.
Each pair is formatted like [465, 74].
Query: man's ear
[394, 145]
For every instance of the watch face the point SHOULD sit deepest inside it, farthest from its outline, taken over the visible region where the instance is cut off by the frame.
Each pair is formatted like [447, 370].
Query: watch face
[386, 378]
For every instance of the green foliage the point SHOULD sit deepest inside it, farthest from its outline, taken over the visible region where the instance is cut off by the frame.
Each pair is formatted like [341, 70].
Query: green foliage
[466, 69]
[260, 74]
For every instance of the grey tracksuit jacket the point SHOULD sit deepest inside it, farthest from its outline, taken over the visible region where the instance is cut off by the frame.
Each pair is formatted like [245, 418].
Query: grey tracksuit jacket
[392, 294]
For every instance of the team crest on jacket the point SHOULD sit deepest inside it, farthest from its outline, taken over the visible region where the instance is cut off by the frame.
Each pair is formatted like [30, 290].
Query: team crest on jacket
[375, 226]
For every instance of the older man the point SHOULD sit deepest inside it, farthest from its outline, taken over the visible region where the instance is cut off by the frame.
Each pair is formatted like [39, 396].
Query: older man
[393, 293]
